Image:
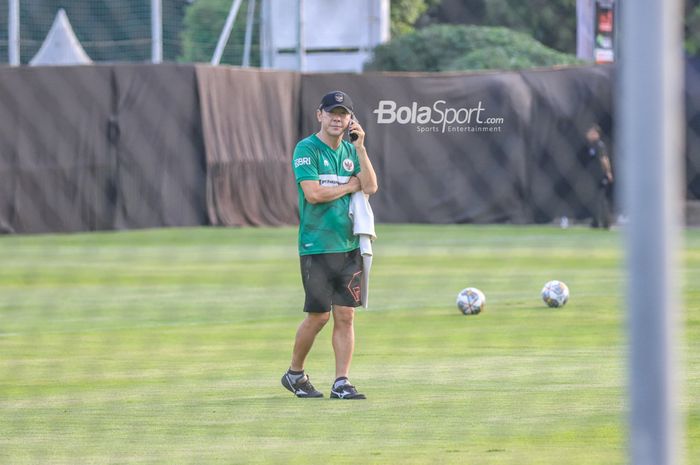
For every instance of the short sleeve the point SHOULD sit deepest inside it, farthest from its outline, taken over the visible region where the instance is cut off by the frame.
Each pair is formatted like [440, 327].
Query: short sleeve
[304, 164]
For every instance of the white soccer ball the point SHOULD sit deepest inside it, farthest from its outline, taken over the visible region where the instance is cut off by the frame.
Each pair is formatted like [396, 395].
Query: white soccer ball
[471, 301]
[555, 294]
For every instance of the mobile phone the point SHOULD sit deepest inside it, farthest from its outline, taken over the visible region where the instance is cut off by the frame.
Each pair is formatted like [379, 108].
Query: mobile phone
[353, 137]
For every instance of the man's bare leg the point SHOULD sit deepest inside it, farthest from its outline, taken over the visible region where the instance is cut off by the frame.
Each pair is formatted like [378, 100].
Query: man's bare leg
[306, 335]
[343, 339]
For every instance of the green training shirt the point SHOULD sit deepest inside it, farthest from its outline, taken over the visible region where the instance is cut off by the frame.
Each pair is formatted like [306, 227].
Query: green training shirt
[325, 227]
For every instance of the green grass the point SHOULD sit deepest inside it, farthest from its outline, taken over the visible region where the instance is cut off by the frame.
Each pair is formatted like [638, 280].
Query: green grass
[166, 347]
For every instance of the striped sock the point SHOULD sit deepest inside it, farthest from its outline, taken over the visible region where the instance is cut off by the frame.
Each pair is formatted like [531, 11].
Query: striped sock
[340, 381]
[295, 376]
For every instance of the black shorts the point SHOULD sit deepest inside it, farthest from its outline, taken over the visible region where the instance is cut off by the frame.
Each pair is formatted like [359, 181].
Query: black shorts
[331, 279]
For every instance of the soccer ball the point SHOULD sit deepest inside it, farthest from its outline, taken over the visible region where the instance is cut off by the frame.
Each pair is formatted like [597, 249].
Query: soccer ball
[471, 301]
[555, 294]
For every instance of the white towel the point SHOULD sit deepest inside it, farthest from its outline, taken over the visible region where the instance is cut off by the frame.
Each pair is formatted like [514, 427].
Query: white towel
[362, 215]
[363, 226]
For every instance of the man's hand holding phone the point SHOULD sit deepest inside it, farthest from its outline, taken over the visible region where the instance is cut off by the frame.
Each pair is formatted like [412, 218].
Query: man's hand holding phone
[356, 133]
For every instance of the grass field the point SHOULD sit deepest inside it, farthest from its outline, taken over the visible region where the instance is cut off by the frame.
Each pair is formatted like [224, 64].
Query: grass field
[166, 347]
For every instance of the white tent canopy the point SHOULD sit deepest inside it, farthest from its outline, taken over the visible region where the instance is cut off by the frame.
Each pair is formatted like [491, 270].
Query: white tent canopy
[61, 46]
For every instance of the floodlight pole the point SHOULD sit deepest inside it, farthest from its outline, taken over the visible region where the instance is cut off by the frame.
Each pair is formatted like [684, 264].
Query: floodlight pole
[651, 131]
[156, 31]
[13, 33]
[301, 49]
[225, 32]
[248, 33]
[265, 31]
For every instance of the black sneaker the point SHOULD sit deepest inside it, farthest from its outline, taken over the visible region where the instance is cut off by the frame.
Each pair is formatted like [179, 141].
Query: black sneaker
[346, 391]
[302, 388]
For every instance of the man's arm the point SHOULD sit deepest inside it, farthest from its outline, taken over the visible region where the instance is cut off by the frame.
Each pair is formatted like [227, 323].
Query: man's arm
[367, 176]
[314, 192]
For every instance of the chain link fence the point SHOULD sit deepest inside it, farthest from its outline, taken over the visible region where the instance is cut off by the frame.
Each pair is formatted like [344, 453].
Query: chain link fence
[121, 30]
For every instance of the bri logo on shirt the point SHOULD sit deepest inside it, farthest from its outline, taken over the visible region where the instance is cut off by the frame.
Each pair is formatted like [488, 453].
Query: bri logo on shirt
[302, 161]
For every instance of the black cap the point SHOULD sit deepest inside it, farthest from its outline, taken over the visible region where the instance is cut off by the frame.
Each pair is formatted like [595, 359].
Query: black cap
[336, 99]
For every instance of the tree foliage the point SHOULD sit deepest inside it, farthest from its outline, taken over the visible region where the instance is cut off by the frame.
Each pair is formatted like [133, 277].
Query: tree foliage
[552, 22]
[405, 13]
[453, 48]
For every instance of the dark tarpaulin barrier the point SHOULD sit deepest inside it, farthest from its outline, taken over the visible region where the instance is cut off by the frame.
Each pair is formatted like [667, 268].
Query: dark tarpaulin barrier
[56, 167]
[100, 147]
[155, 131]
[565, 104]
[132, 146]
[429, 170]
[250, 127]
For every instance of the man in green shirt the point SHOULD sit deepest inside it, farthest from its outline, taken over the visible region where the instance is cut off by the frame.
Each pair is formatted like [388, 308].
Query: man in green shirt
[328, 170]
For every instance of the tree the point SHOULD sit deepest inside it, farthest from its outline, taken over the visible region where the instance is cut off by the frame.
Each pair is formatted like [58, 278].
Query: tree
[552, 22]
[405, 13]
[204, 21]
[453, 47]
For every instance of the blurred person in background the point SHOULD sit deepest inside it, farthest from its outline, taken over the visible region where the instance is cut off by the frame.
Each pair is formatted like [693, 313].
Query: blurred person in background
[599, 165]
